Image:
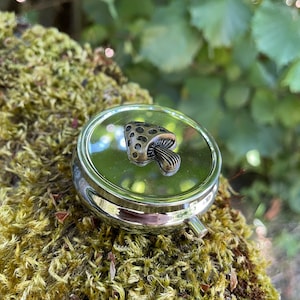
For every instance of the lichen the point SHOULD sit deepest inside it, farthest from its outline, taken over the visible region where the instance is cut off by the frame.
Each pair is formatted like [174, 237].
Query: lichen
[53, 248]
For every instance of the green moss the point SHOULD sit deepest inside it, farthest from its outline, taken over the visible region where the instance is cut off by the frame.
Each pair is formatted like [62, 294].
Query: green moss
[50, 246]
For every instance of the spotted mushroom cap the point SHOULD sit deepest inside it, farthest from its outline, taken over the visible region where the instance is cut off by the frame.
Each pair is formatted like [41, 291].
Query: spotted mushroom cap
[142, 137]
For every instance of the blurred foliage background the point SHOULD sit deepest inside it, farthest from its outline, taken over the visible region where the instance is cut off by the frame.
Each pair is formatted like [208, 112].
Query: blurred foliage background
[232, 65]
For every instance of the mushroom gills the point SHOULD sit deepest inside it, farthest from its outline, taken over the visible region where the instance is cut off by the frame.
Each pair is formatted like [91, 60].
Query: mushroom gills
[163, 143]
[168, 161]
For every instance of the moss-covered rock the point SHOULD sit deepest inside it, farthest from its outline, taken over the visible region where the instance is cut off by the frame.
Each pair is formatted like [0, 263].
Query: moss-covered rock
[50, 246]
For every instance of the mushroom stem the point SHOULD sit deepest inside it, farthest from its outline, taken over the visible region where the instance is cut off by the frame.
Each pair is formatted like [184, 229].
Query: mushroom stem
[168, 161]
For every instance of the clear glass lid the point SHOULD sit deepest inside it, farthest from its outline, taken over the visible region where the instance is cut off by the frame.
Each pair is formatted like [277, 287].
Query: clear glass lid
[106, 154]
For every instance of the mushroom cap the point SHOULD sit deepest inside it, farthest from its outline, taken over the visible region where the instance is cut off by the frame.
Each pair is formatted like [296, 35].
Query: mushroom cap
[141, 139]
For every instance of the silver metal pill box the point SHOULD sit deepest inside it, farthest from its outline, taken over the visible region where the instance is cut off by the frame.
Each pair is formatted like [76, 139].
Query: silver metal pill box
[140, 198]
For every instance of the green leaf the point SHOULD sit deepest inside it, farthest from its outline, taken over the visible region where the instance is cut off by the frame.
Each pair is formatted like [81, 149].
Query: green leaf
[132, 9]
[255, 192]
[288, 110]
[168, 41]
[276, 30]
[241, 135]
[111, 8]
[220, 20]
[268, 140]
[263, 107]
[292, 76]
[94, 34]
[233, 72]
[289, 243]
[294, 198]
[164, 100]
[244, 52]
[97, 11]
[236, 96]
[202, 100]
[260, 76]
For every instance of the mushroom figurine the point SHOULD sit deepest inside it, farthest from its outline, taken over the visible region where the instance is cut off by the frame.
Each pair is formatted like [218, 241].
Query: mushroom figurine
[147, 142]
